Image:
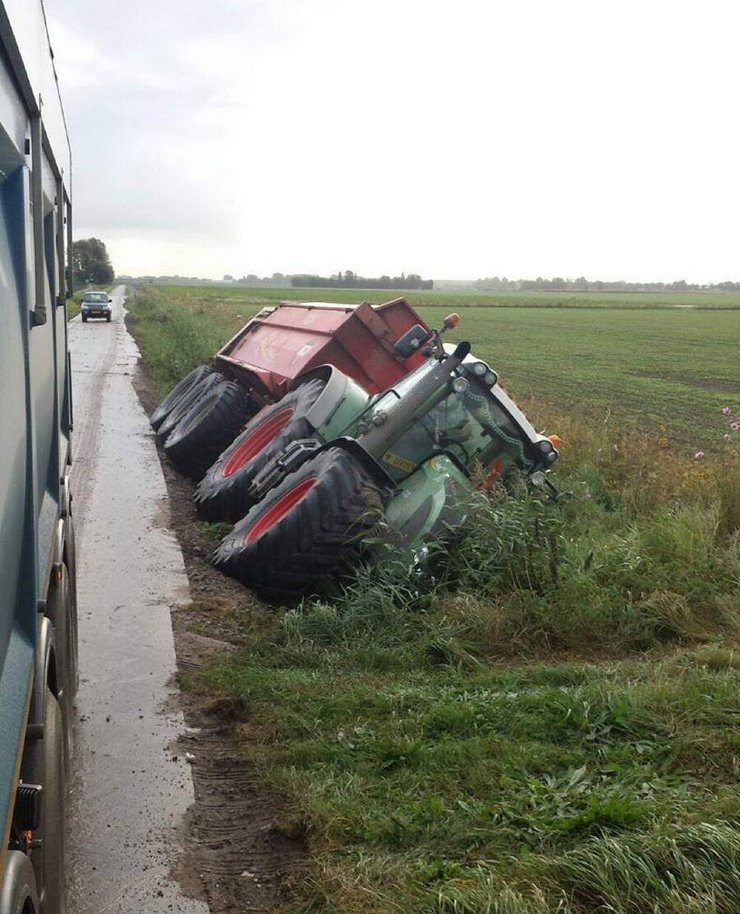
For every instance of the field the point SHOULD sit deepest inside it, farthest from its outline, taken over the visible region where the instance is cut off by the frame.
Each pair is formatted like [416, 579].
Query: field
[665, 362]
[551, 724]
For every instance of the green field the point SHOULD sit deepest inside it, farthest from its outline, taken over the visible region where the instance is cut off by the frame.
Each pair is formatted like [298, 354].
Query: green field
[551, 724]
[667, 362]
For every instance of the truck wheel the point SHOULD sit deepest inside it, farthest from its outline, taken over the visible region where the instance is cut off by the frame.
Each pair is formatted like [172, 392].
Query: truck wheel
[61, 610]
[186, 402]
[44, 764]
[208, 427]
[18, 889]
[178, 391]
[223, 493]
[307, 531]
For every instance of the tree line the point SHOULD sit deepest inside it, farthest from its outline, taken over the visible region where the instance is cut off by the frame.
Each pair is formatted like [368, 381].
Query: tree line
[350, 280]
[558, 284]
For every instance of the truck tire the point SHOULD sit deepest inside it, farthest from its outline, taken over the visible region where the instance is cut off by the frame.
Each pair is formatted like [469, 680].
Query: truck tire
[177, 392]
[61, 612]
[186, 402]
[209, 426]
[44, 764]
[223, 493]
[306, 532]
[18, 889]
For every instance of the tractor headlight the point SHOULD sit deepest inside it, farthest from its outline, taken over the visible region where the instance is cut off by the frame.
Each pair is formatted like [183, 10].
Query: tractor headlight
[460, 385]
[490, 378]
[479, 368]
[547, 450]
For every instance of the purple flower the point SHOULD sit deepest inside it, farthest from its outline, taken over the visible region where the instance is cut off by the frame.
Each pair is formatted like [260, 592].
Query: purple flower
[698, 455]
[726, 410]
[735, 425]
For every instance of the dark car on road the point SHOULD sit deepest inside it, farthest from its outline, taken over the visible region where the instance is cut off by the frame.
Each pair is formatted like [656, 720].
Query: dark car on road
[96, 304]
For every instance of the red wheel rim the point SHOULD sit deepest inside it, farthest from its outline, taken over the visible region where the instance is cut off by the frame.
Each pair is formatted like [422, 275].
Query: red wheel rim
[266, 432]
[279, 509]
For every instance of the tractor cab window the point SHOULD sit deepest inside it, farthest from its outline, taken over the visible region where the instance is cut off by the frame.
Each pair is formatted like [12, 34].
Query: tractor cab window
[470, 427]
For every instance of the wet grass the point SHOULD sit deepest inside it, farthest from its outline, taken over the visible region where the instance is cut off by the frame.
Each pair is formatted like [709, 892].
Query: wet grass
[550, 724]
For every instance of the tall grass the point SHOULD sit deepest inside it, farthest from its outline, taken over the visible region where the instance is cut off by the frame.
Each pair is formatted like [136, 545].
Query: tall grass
[547, 722]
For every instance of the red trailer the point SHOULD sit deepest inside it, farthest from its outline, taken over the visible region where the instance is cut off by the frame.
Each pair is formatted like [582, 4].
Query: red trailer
[279, 344]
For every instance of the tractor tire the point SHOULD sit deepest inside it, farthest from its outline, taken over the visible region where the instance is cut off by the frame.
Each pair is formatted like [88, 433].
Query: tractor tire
[186, 402]
[223, 493]
[306, 532]
[177, 392]
[210, 425]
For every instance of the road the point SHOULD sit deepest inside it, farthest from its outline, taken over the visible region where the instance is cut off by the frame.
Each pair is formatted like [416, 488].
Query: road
[131, 784]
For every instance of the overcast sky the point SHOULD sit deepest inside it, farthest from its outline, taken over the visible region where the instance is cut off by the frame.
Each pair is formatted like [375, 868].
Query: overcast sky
[455, 139]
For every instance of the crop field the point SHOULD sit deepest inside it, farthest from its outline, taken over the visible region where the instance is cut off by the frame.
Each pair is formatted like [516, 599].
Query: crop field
[665, 362]
[550, 723]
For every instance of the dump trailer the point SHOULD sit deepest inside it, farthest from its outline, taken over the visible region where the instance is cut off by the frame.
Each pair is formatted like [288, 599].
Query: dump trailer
[38, 632]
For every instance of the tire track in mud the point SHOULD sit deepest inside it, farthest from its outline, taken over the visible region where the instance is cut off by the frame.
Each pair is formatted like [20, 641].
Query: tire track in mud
[243, 853]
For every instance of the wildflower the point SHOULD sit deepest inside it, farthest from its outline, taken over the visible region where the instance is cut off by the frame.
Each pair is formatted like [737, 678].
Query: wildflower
[698, 455]
[726, 437]
[662, 441]
[735, 425]
[726, 410]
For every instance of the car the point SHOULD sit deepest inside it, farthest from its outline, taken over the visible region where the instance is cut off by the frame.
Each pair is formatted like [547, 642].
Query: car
[96, 304]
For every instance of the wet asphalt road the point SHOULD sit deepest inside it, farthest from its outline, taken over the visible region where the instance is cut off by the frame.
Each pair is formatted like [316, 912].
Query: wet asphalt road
[131, 783]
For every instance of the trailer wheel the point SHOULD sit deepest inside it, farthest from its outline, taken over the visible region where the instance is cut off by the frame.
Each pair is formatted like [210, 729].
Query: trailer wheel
[211, 424]
[44, 764]
[186, 402]
[223, 493]
[18, 890]
[177, 392]
[307, 531]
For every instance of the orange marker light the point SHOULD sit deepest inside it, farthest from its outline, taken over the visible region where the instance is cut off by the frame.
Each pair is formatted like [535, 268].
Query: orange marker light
[554, 440]
[452, 320]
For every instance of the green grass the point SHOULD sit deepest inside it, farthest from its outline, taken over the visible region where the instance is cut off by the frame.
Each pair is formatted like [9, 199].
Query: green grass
[551, 724]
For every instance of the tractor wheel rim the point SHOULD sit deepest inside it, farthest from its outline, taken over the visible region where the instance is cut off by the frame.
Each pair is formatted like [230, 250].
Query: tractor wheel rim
[279, 509]
[266, 432]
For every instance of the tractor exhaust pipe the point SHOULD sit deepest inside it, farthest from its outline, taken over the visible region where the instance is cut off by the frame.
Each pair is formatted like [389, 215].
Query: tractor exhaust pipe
[390, 422]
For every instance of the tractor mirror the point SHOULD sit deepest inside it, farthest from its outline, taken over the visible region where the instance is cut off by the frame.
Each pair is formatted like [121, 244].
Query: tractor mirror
[411, 341]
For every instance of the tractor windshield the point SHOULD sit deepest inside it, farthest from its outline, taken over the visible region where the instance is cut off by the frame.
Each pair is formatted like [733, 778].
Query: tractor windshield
[469, 426]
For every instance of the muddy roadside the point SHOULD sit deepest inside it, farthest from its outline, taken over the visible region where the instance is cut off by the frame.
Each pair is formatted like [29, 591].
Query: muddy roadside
[242, 852]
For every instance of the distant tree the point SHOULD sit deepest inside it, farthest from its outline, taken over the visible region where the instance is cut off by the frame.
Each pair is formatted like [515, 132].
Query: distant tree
[90, 263]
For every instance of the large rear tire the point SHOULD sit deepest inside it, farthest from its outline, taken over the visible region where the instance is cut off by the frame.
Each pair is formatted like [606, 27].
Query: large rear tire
[306, 532]
[223, 493]
[186, 403]
[207, 428]
[176, 394]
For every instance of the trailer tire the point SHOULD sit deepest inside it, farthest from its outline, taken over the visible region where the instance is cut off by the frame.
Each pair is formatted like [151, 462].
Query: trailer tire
[223, 493]
[306, 532]
[186, 402]
[18, 890]
[44, 764]
[176, 394]
[210, 425]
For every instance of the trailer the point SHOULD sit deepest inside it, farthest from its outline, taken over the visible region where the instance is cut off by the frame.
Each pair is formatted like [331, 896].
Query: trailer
[38, 629]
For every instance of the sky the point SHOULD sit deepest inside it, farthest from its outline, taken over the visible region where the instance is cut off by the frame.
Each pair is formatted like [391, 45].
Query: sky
[459, 140]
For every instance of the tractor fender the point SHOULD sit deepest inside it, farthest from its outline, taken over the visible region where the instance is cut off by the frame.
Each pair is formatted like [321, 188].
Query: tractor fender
[339, 404]
[428, 502]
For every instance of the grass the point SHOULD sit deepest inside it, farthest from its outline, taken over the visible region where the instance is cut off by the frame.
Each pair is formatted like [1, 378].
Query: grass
[550, 724]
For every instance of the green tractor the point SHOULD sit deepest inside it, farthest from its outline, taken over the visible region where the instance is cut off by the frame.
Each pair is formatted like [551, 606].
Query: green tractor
[318, 473]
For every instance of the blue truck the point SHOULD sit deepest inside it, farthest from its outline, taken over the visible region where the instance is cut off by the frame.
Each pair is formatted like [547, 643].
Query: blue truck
[38, 628]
